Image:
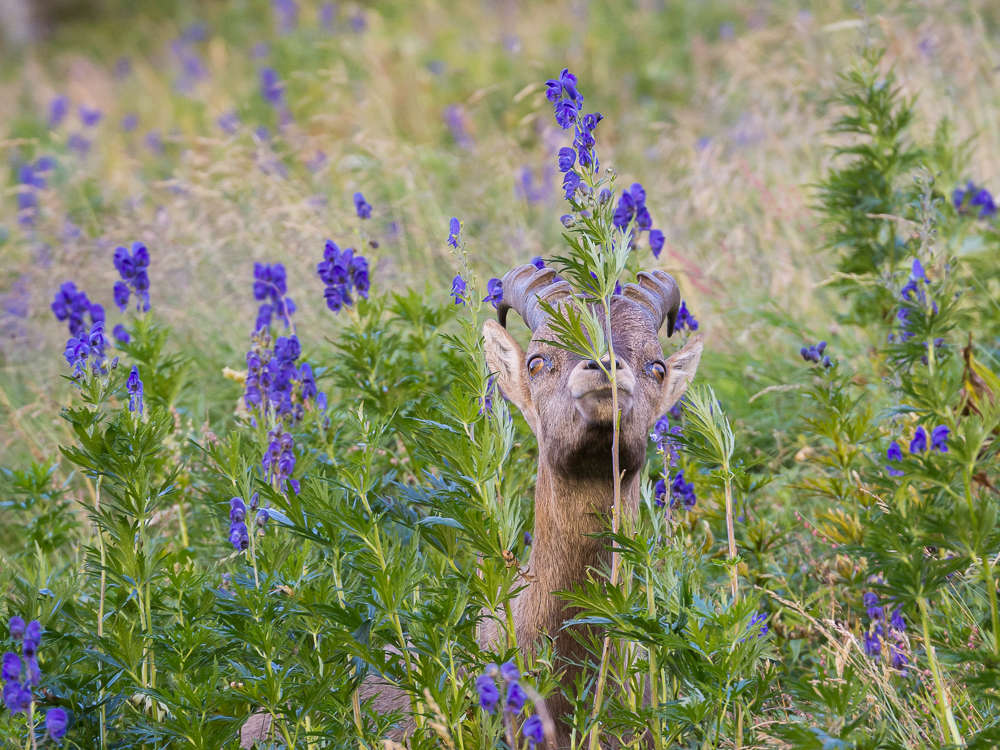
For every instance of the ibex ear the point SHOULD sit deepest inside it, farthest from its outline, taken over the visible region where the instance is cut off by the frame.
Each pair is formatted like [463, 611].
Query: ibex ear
[681, 366]
[506, 358]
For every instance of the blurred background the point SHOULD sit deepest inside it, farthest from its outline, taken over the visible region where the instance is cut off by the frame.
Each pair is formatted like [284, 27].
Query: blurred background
[224, 133]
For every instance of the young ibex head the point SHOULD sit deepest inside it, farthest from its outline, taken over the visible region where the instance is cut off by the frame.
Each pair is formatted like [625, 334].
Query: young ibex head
[565, 399]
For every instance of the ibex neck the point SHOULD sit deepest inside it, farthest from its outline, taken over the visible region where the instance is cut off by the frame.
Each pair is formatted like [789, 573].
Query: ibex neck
[568, 513]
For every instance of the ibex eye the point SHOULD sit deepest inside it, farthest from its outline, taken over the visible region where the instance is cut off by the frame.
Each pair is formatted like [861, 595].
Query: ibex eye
[658, 370]
[536, 364]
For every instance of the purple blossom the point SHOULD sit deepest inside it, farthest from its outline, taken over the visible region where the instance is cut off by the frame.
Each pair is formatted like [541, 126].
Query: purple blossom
[11, 669]
[454, 118]
[134, 387]
[362, 207]
[919, 442]
[454, 228]
[58, 109]
[565, 97]
[656, 241]
[532, 730]
[939, 438]
[271, 87]
[228, 122]
[458, 288]
[972, 197]
[90, 116]
[537, 262]
[509, 671]
[489, 696]
[516, 697]
[131, 266]
[685, 319]
[17, 627]
[56, 722]
[494, 292]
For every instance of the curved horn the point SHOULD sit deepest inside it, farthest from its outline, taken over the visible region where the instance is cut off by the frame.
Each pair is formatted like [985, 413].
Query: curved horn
[523, 286]
[656, 291]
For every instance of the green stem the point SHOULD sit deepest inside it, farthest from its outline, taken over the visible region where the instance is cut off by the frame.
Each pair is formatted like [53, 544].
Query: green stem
[944, 705]
[731, 534]
[103, 718]
[654, 692]
[602, 673]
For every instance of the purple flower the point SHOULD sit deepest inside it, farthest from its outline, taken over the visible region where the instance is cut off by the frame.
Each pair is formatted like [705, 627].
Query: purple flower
[894, 453]
[533, 730]
[271, 87]
[528, 539]
[362, 206]
[873, 647]
[896, 621]
[458, 289]
[238, 535]
[489, 696]
[565, 97]
[516, 697]
[32, 638]
[58, 109]
[228, 122]
[939, 438]
[494, 292]
[679, 489]
[571, 182]
[454, 227]
[56, 722]
[16, 628]
[624, 211]
[660, 493]
[237, 509]
[509, 671]
[121, 334]
[17, 697]
[11, 666]
[972, 196]
[567, 158]
[89, 116]
[537, 262]
[919, 442]
[286, 13]
[685, 319]
[134, 387]
[656, 240]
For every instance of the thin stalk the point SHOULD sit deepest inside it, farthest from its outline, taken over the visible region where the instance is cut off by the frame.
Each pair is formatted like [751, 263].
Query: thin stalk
[355, 696]
[944, 705]
[602, 674]
[31, 727]
[182, 522]
[103, 718]
[987, 566]
[654, 692]
[731, 533]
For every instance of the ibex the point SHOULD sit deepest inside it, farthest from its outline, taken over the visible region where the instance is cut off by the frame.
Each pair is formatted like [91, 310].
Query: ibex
[567, 403]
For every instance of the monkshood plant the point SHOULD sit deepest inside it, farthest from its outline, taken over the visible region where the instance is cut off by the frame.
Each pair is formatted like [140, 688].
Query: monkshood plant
[905, 463]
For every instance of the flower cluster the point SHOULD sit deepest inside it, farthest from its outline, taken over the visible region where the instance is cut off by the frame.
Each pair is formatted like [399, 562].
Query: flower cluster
[458, 289]
[342, 272]
[565, 97]
[87, 345]
[632, 207]
[489, 697]
[269, 288]
[362, 207]
[279, 460]
[938, 442]
[680, 492]
[815, 354]
[71, 304]
[275, 381]
[134, 387]
[454, 228]
[494, 292]
[239, 535]
[893, 632]
[131, 266]
[22, 673]
[913, 292]
[759, 621]
[661, 434]
[970, 198]
[684, 317]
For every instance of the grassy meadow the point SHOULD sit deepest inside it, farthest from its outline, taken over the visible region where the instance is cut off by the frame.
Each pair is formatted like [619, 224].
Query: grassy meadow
[237, 133]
